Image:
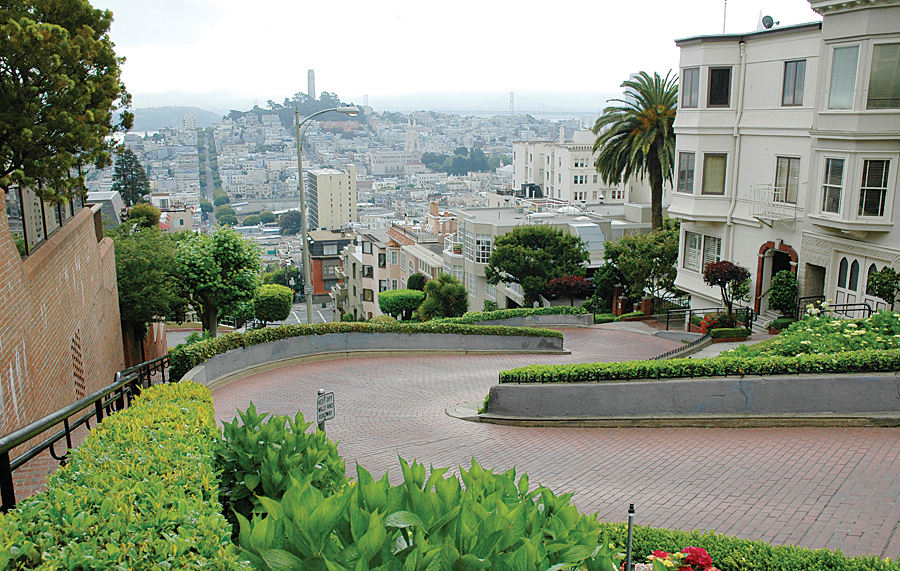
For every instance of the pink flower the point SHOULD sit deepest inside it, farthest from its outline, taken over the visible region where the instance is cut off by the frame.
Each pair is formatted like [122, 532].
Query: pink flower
[660, 554]
[697, 556]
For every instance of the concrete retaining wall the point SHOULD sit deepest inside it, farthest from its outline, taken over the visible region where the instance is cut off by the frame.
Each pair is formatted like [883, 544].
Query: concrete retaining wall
[226, 367]
[872, 393]
[544, 321]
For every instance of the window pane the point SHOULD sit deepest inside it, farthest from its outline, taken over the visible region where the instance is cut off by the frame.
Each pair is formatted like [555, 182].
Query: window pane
[787, 179]
[884, 82]
[854, 275]
[873, 189]
[686, 172]
[712, 250]
[719, 86]
[842, 273]
[831, 187]
[794, 79]
[692, 251]
[690, 89]
[872, 269]
[713, 174]
[843, 77]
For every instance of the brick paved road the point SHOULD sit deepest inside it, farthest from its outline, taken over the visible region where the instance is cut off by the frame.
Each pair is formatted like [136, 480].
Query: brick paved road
[815, 487]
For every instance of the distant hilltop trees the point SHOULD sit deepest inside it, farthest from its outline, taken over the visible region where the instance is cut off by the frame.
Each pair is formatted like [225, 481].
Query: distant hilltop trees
[285, 111]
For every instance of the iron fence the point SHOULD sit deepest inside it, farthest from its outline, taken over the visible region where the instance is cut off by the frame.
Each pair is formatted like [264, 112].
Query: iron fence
[104, 402]
[744, 314]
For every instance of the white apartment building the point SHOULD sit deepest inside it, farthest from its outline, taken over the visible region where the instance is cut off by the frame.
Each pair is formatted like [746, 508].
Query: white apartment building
[565, 171]
[332, 198]
[389, 163]
[788, 144]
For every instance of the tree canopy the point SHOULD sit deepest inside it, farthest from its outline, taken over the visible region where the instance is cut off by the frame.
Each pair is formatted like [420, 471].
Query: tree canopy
[532, 255]
[289, 222]
[219, 271]
[145, 215]
[60, 90]
[647, 262]
[636, 137]
[444, 297]
[130, 179]
[570, 287]
[266, 217]
[400, 303]
[729, 277]
[273, 303]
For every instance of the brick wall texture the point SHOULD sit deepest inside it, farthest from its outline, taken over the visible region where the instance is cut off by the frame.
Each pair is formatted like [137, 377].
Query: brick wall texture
[60, 336]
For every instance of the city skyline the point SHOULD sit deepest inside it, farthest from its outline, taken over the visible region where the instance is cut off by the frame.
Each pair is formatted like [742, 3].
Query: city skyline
[217, 55]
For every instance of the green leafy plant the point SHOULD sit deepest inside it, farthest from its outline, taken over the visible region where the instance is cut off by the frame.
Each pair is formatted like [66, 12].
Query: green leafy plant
[729, 333]
[783, 293]
[260, 453]
[400, 303]
[485, 404]
[273, 302]
[416, 281]
[444, 297]
[489, 305]
[496, 315]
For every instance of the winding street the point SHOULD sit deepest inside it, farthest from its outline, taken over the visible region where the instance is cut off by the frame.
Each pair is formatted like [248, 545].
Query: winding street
[836, 488]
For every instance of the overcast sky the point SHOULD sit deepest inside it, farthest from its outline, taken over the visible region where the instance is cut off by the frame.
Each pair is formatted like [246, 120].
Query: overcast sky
[221, 54]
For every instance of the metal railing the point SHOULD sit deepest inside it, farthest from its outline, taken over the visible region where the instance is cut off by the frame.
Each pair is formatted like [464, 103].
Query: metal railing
[802, 302]
[682, 349]
[860, 310]
[771, 203]
[661, 304]
[745, 314]
[104, 402]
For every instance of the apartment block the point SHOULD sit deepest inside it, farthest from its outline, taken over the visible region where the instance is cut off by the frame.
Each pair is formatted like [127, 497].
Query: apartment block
[332, 198]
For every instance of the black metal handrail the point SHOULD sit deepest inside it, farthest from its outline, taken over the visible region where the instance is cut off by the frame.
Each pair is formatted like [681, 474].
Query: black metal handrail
[748, 313]
[681, 349]
[115, 397]
[846, 309]
[802, 302]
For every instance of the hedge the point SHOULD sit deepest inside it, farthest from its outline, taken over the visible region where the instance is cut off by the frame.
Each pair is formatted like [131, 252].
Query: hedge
[139, 493]
[478, 316]
[182, 359]
[722, 366]
[733, 554]
[728, 332]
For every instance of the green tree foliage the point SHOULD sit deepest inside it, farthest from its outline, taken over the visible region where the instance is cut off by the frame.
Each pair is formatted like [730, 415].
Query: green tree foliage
[206, 206]
[416, 281]
[444, 297]
[727, 276]
[273, 303]
[289, 222]
[400, 303]
[225, 209]
[570, 287]
[606, 278]
[130, 179]
[533, 255]
[148, 292]
[636, 137]
[219, 271]
[266, 217]
[227, 220]
[283, 276]
[145, 215]
[884, 284]
[60, 87]
[648, 262]
[252, 220]
[220, 199]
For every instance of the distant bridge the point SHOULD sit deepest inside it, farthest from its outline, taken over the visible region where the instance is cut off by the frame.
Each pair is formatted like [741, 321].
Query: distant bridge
[514, 105]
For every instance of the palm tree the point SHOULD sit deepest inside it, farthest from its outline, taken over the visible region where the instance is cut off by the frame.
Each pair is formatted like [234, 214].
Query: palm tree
[636, 137]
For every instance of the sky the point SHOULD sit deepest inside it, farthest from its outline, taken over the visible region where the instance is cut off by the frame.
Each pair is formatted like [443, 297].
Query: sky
[405, 54]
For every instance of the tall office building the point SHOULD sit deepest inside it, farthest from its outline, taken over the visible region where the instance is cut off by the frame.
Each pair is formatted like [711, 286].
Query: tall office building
[311, 84]
[332, 197]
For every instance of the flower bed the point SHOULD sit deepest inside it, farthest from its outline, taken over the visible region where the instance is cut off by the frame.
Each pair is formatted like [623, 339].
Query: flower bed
[139, 493]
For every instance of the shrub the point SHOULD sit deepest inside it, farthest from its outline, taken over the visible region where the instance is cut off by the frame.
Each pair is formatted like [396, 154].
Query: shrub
[489, 305]
[781, 323]
[416, 281]
[605, 318]
[783, 293]
[383, 319]
[717, 321]
[729, 333]
[273, 302]
[444, 297]
[259, 456]
[400, 303]
[183, 359]
[347, 318]
[139, 493]
[481, 316]
[630, 314]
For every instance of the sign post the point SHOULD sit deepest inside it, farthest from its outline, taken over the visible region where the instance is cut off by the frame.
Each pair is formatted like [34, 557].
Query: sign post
[324, 408]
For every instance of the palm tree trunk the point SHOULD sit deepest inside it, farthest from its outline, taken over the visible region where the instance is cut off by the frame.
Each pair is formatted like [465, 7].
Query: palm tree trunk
[656, 193]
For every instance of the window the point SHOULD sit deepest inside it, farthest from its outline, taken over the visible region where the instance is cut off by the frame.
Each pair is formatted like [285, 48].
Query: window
[381, 260]
[787, 179]
[700, 250]
[473, 285]
[873, 189]
[685, 172]
[394, 258]
[490, 291]
[458, 273]
[884, 80]
[690, 87]
[402, 259]
[367, 271]
[595, 179]
[832, 184]
[794, 78]
[367, 247]
[843, 77]
[482, 248]
[713, 174]
[719, 87]
[411, 271]
[393, 284]
[329, 250]
[367, 295]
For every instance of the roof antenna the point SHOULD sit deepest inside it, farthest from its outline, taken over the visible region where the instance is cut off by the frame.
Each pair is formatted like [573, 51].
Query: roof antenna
[724, 15]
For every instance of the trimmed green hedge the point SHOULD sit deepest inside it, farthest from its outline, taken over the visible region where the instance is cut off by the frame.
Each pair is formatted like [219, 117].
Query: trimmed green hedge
[183, 359]
[733, 554]
[630, 314]
[479, 316]
[605, 318]
[782, 323]
[139, 493]
[728, 332]
[722, 366]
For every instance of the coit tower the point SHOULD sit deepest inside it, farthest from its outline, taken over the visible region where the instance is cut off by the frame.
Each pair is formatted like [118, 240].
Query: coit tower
[311, 88]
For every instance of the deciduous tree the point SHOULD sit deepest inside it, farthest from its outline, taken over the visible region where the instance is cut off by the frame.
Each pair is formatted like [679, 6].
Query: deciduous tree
[648, 262]
[532, 255]
[400, 303]
[727, 276]
[60, 89]
[570, 287]
[219, 271]
[273, 303]
[289, 222]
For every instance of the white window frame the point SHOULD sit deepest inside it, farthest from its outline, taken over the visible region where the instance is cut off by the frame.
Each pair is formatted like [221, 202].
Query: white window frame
[825, 186]
[704, 250]
[885, 190]
[690, 92]
[681, 185]
[833, 105]
[869, 83]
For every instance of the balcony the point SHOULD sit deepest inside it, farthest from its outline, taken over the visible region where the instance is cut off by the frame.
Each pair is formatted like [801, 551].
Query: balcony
[768, 203]
[453, 246]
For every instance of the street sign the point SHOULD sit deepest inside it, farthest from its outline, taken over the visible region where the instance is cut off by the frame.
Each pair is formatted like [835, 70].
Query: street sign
[308, 289]
[324, 407]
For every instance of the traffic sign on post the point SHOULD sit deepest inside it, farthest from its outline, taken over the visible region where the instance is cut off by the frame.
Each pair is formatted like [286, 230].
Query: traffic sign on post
[324, 408]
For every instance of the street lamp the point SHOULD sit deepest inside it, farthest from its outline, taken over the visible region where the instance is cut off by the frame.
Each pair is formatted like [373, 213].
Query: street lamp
[304, 228]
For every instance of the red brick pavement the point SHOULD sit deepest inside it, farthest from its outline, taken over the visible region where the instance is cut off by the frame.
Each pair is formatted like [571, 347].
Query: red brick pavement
[815, 487]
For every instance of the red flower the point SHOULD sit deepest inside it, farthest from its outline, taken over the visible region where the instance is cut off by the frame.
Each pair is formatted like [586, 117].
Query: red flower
[660, 554]
[697, 556]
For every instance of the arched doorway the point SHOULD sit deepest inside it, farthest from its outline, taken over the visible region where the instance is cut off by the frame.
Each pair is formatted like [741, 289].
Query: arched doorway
[774, 257]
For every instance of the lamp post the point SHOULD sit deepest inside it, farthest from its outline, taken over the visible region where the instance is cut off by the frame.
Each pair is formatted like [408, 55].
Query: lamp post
[304, 228]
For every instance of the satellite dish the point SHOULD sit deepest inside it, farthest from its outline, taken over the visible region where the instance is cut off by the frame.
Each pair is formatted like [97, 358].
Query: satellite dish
[768, 22]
